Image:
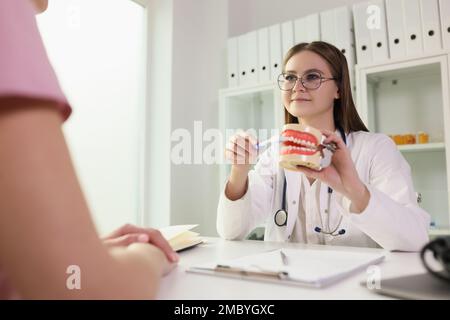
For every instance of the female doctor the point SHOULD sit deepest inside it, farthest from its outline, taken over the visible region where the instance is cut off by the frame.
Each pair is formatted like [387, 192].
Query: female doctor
[364, 198]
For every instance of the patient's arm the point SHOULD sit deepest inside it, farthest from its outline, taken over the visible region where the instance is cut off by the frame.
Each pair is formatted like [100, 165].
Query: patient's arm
[45, 225]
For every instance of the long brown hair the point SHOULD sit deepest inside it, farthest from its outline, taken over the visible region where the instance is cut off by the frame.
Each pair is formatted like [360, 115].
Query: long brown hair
[344, 111]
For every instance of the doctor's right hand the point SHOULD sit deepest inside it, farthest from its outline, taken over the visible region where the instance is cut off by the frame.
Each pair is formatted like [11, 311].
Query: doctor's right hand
[242, 153]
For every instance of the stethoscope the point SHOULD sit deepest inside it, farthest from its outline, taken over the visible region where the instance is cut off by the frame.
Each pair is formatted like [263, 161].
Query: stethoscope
[281, 216]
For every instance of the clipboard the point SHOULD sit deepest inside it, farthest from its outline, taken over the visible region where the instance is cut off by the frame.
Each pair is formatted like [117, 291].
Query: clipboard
[297, 267]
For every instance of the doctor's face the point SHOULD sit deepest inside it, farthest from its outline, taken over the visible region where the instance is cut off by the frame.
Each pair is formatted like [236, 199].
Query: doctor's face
[316, 95]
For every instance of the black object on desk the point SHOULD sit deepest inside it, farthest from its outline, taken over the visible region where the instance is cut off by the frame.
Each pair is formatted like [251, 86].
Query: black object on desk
[432, 285]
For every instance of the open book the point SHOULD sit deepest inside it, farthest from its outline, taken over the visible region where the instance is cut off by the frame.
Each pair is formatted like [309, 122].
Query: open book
[180, 237]
[303, 267]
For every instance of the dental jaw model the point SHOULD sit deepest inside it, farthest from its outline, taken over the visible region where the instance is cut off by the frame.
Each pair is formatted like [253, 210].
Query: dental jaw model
[303, 146]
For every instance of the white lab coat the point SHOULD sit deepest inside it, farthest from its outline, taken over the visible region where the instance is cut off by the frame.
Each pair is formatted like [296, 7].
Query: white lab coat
[392, 219]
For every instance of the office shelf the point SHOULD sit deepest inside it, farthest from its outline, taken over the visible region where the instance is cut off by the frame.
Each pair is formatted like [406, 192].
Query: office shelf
[439, 232]
[412, 95]
[425, 147]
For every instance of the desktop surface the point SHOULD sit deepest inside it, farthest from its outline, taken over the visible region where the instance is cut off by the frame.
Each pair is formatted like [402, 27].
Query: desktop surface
[181, 285]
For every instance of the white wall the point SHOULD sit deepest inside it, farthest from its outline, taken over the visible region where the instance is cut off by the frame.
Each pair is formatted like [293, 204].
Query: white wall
[186, 69]
[199, 71]
[247, 15]
[97, 49]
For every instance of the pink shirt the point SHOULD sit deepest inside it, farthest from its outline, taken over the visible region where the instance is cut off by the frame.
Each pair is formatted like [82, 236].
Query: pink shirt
[25, 70]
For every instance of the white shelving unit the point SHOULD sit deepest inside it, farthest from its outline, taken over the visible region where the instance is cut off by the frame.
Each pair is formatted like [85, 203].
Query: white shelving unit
[408, 96]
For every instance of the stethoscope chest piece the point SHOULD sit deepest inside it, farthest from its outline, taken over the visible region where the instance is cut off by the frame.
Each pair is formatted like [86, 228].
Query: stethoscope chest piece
[280, 218]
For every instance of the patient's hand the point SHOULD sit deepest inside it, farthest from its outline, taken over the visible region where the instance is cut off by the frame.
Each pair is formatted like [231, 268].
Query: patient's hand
[153, 254]
[129, 234]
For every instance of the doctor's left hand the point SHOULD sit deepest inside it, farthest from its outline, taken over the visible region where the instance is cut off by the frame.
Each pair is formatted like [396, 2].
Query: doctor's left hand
[341, 175]
[129, 234]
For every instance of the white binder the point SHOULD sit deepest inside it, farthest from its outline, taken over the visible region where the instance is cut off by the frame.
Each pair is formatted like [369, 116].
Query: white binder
[380, 47]
[307, 29]
[431, 30]
[344, 33]
[287, 36]
[252, 59]
[301, 30]
[328, 27]
[264, 74]
[362, 35]
[276, 57]
[444, 10]
[344, 37]
[413, 27]
[313, 23]
[232, 51]
[243, 60]
[396, 30]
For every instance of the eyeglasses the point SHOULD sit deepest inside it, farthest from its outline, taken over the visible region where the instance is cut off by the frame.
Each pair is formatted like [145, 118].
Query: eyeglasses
[310, 80]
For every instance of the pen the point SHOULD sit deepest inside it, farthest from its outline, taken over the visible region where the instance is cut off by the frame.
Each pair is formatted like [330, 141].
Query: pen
[271, 274]
[330, 146]
[284, 258]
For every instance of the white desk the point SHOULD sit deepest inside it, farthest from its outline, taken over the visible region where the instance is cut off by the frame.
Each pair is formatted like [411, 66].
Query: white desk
[180, 284]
